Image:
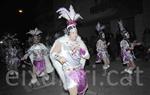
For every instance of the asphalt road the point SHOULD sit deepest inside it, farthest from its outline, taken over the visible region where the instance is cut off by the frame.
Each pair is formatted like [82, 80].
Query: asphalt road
[112, 82]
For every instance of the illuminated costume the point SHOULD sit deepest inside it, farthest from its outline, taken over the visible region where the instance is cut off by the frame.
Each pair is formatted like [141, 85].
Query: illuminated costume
[101, 47]
[38, 54]
[72, 71]
[12, 51]
[126, 49]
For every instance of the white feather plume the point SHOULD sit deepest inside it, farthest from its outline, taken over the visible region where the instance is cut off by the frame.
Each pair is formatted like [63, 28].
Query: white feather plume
[63, 13]
[121, 25]
[99, 27]
[72, 12]
[68, 14]
[77, 16]
[36, 31]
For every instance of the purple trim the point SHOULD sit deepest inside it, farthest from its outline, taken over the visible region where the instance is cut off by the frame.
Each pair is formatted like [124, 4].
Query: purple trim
[39, 66]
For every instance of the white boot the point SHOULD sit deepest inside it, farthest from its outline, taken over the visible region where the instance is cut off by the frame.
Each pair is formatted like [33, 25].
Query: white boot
[46, 77]
[97, 61]
[33, 81]
[105, 67]
[128, 71]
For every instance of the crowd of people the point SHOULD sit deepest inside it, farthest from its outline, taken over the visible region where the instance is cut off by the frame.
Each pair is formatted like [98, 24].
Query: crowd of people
[68, 54]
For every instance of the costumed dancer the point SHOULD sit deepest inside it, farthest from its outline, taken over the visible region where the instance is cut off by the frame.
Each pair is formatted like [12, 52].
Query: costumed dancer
[127, 49]
[101, 47]
[69, 53]
[12, 57]
[38, 54]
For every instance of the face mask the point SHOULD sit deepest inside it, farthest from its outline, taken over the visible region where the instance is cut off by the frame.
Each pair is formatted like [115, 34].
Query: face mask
[72, 28]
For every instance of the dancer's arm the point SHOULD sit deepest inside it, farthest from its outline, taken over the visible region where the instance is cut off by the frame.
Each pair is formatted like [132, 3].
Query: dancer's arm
[56, 49]
[27, 54]
[84, 48]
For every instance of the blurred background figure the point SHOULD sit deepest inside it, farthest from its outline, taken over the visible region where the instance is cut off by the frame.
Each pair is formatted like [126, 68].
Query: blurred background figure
[12, 53]
[38, 54]
[101, 47]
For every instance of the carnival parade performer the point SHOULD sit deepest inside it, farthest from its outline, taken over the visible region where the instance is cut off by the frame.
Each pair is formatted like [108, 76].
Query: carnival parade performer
[69, 53]
[38, 54]
[101, 47]
[127, 49]
[12, 53]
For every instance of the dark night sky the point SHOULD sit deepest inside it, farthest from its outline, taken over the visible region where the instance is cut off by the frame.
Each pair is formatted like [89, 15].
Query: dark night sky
[12, 21]
[40, 13]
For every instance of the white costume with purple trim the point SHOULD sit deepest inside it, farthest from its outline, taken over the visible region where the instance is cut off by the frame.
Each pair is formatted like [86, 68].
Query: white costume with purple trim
[38, 54]
[71, 72]
[126, 52]
[74, 52]
[101, 48]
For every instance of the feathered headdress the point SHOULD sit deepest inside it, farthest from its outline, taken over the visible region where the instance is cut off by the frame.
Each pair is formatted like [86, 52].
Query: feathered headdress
[122, 29]
[100, 28]
[34, 32]
[71, 16]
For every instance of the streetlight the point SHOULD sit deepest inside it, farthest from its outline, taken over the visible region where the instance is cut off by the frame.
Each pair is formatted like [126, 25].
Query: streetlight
[20, 11]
